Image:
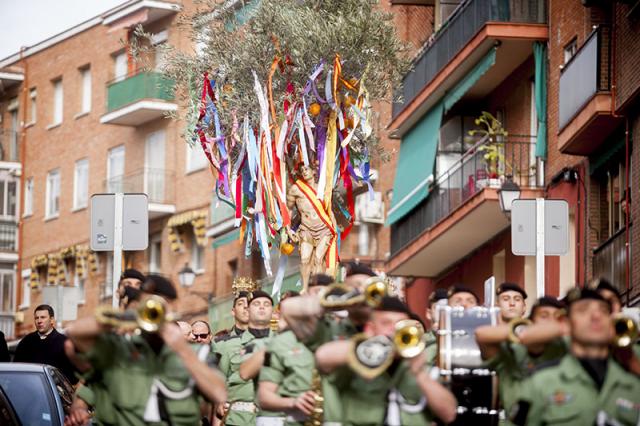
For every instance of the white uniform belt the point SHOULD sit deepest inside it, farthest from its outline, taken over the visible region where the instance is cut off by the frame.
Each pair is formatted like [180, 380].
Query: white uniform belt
[297, 417]
[269, 421]
[247, 407]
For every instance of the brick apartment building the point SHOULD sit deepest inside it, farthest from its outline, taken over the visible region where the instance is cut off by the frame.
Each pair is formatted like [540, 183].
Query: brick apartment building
[79, 116]
[446, 223]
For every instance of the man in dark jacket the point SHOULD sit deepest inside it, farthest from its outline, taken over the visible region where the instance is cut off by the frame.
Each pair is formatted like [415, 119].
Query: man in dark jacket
[4, 350]
[45, 345]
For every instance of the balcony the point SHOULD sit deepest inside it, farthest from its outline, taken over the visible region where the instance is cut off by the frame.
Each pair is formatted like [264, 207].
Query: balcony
[610, 260]
[158, 184]
[472, 29]
[132, 13]
[8, 234]
[462, 210]
[585, 101]
[9, 146]
[138, 99]
[10, 77]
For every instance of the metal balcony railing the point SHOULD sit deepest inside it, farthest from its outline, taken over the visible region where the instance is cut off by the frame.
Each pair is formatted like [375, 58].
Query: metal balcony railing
[463, 24]
[468, 176]
[587, 73]
[158, 184]
[8, 233]
[610, 260]
[144, 85]
[9, 145]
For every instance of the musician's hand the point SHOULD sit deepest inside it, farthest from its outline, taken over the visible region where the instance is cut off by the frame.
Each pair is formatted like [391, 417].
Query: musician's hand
[172, 336]
[305, 402]
[221, 410]
[417, 363]
[79, 414]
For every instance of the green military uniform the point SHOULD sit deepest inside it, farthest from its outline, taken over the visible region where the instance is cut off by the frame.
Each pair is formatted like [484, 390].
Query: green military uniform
[431, 347]
[126, 369]
[289, 364]
[366, 402]
[240, 393]
[329, 329]
[565, 394]
[513, 364]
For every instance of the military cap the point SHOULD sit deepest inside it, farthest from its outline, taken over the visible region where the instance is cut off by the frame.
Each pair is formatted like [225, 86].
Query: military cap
[393, 304]
[253, 295]
[159, 285]
[577, 294]
[548, 301]
[320, 280]
[604, 284]
[457, 288]
[437, 294]
[510, 287]
[132, 273]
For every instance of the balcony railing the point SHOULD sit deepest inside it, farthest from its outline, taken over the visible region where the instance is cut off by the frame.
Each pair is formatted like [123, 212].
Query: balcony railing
[8, 232]
[587, 73]
[145, 85]
[457, 31]
[610, 260]
[9, 145]
[158, 184]
[468, 176]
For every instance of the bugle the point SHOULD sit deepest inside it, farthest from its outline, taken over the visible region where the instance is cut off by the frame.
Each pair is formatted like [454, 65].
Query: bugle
[149, 316]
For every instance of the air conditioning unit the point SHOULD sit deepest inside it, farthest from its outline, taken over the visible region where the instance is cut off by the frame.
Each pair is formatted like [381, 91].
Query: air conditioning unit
[370, 210]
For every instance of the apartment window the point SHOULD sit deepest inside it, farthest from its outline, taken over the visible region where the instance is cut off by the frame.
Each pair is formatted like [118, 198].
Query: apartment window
[26, 289]
[8, 198]
[6, 288]
[52, 207]
[81, 184]
[85, 74]
[115, 169]
[196, 159]
[33, 95]
[155, 253]
[158, 40]
[11, 153]
[570, 50]
[611, 180]
[28, 197]
[197, 255]
[120, 62]
[57, 102]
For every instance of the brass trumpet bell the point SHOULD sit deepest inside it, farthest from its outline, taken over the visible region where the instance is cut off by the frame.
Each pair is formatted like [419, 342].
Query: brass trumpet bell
[409, 339]
[341, 296]
[152, 314]
[626, 331]
[375, 291]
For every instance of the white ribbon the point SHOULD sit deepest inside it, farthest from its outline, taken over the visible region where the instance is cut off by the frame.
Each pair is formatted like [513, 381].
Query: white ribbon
[397, 403]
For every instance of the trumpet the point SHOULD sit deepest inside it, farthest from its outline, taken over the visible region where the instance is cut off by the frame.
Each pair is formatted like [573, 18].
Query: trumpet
[149, 317]
[626, 331]
[516, 326]
[340, 296]
[409, 338]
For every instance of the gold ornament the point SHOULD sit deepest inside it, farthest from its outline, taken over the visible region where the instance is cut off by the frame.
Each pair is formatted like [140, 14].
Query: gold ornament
[286, 248]
[314, 109]
[243, 284]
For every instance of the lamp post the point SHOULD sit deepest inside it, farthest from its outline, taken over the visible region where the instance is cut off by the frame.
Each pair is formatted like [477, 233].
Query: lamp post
[186, 276]
[508, 192]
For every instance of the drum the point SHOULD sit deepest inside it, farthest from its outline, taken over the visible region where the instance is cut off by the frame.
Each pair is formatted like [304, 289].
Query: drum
[461, 365]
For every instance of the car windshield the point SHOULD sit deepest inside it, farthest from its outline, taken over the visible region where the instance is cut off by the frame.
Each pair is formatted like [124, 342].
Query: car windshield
[31, 398]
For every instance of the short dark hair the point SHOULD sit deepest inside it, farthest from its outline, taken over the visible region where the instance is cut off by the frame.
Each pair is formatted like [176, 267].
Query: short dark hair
[47, 308]
[202, 321]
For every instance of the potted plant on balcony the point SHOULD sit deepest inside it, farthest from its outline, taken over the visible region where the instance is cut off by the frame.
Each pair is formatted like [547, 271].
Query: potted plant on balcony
[493, 134]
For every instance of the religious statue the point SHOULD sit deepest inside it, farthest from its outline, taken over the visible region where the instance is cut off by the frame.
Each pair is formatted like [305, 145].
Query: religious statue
[316, 234]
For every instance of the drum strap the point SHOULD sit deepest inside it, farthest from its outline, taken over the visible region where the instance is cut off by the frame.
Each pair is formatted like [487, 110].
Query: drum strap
[397, 403]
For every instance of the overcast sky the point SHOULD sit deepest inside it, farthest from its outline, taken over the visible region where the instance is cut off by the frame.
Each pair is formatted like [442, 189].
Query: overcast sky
[27, 22]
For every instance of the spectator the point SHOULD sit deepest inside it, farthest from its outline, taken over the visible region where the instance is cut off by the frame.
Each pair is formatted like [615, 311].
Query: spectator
[4, 350]
[45, 345]
[201, 332]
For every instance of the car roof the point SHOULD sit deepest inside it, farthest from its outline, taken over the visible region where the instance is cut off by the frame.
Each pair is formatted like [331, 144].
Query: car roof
[22, 367]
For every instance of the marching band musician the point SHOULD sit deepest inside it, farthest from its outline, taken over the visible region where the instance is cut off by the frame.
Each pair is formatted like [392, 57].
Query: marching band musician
[404, 394]
[242, 409]
[151, 378]
[586, 386]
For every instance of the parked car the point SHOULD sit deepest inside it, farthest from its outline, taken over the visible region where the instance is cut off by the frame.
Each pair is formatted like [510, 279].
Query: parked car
[39, 395]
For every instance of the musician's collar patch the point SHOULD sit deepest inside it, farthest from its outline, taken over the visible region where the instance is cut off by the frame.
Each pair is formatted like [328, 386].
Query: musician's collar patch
[560, 398]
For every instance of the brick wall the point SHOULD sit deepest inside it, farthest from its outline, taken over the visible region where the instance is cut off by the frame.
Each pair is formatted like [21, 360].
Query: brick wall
[627, 67]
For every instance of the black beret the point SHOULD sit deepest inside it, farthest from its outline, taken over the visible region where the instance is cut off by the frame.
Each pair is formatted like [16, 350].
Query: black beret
[548, 301]
[320, 280]
[510, 287]
[454, 289]
[437, 294]
[577, 294]
[257, 294]
[159, 285]
[603, 284]
[240, 295]
[357, 268]
[133, 273]
[393, 304]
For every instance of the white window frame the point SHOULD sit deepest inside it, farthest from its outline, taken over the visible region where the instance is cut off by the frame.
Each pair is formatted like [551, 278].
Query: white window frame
[155, 253]
[191, 154]
[58, 102]
[197, 256]
[12, 290]
[79, 282]
[50, 191]
[111, 155]
[33, 111]
[26, 290]
[570, 50]
[77, 190]
[107, 289]
[5, 181]
[119, 59]
[85, 99]
[28, 197]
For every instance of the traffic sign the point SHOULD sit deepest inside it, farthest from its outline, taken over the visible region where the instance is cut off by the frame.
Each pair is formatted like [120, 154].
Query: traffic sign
[135, 222]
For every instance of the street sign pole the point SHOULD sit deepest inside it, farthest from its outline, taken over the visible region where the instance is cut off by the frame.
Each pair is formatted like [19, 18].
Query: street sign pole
[540, 255]
[117, 246]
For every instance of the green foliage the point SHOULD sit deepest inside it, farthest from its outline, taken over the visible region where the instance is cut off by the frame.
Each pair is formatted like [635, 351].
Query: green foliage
[492, 131]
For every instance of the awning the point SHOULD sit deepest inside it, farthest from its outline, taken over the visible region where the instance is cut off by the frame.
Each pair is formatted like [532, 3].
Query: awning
[611, 148]
[196, 218]
[416, 161]
[540, 88]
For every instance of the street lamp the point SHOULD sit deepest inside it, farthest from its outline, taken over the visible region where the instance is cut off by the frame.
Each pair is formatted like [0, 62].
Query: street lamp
[186, 276]
[508, 192]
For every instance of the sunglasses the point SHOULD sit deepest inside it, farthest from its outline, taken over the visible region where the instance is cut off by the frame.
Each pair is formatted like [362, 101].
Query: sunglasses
[201, 336]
